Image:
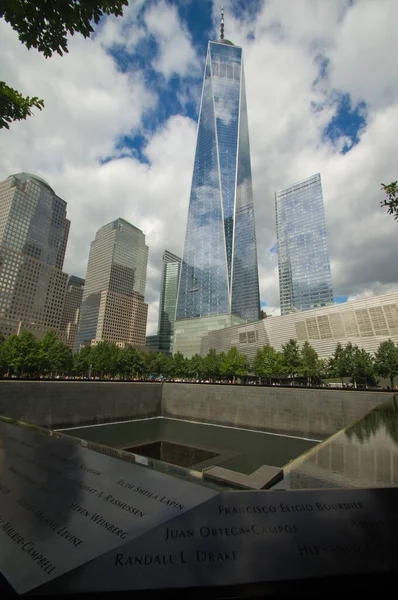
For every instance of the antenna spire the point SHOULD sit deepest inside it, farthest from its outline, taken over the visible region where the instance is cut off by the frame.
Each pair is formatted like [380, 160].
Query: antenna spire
[222, 24]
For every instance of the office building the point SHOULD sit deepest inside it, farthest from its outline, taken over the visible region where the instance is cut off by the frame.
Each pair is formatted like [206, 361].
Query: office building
[113, 307]
[168, 300]
[365, 323]
[71, 309]
[152, 343]
[33, 236]
[219, 274]
[305, 279]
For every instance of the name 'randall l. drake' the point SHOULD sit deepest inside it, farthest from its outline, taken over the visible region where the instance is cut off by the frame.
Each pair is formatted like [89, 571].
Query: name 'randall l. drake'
[182, 557]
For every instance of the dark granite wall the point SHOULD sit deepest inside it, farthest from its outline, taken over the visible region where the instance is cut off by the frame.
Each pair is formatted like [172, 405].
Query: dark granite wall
[57, 404]
[304, 412]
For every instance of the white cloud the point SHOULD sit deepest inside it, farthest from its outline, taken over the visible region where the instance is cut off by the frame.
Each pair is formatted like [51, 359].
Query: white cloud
[176, 55]
[90, 104]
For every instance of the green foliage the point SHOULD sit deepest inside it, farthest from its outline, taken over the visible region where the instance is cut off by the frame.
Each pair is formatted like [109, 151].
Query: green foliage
[310, 365]
[131, 363]
[291, 358]
[386, 360]
[350, 361]
[195, 366]
[54, 357]
[268, 363]
[391, 199]
[21, 354]
[234, 364]
[24, 355]
[3, 365]
[337, 365]
[105, 359]
[178, 366]
[14, 106]
[82, 361]
[45, 25]
[211, 365]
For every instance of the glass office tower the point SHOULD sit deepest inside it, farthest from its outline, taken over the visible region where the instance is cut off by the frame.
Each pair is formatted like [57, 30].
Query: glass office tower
[305, 279]
[113, 307]
[71, 311]
[219, 273]
[168, 301]
[33, 235]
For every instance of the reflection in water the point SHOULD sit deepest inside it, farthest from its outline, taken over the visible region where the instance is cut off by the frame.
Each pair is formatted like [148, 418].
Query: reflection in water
[383, 417]
[365, 454]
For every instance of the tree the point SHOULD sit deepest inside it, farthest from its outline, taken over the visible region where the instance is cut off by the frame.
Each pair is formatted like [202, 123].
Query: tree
[45, 26]
[391, 199]
[21, 354]
[267, 363]
[211, 365]
[53, 355]
[365, 365]
[310, 365]
[178, 368]
[195, 366]
[291, 358]
[82, 361]
[3, 364]
[351, 362]
[234, 364]
[337, 363]
[14, 106]
[131, 362]
[105, 359]
[386, 360]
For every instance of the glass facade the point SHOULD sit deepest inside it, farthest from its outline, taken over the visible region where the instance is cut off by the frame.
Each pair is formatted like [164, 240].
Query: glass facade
[168, 301]
[33, 236]
[113, 297]
[219, 273]
[305, 279]
[71, 310]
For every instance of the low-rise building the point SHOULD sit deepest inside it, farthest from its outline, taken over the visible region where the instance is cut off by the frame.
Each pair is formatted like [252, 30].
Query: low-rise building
[366, 323]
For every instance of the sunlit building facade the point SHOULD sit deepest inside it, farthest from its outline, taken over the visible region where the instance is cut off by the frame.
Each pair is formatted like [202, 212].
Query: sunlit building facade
[113, 307]
[33, 236]
[305, 279]
[219, 273]
[365, 323]
[168, 300]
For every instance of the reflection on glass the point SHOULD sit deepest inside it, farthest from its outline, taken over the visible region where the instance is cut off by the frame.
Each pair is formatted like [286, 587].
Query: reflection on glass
[305, 279]
[219, 269]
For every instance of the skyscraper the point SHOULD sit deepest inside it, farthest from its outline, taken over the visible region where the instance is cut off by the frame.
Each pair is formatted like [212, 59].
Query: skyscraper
[113, 307]
[33, 235]
[219, 274]
[305, 279]
[168, 300]
[71, 309]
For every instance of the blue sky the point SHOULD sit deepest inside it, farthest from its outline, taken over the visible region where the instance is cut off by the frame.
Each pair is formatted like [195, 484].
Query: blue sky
[117, 136]
[343, 129]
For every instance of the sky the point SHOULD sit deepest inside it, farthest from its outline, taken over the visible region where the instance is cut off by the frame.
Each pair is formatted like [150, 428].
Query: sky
[117, 135]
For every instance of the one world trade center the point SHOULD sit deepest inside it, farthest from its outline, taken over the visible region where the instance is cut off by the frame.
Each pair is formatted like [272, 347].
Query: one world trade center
[219, 274]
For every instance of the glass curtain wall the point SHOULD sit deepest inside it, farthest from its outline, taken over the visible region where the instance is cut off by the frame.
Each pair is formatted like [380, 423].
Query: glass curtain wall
[219, 271]
[305, 279]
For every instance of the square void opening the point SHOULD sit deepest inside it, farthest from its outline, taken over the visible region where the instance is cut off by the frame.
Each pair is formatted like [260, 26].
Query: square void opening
[175, 454]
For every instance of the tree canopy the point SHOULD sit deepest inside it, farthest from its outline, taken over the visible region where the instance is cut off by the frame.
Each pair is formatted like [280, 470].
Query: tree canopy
[391, 199]
[386, 360]
[45, 25]
[27, 356]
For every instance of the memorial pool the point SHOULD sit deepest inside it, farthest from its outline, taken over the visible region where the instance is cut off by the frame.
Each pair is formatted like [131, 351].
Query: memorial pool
[197, 445]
